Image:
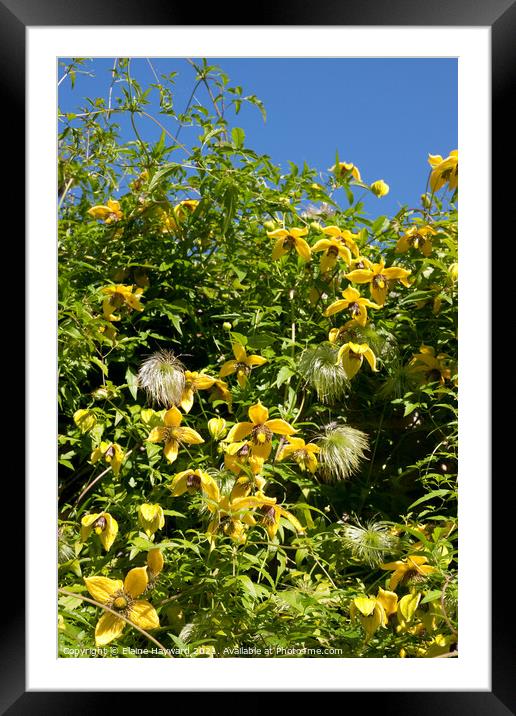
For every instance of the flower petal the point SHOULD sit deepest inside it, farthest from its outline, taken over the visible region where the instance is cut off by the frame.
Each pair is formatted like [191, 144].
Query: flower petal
[258, 413]
[136, 581]
[103, 588]
[187, 399]
[255, 360]
[172, 417]
[239, 352]
[360, 276]
[190, 436]
[228, 368]
[156, 435]
[336, 307]
[144, 615]
[281, 427]
[171, 449]
[239, 431]
[108, 534]
[279, 250]
[109, 627]
[303, 249]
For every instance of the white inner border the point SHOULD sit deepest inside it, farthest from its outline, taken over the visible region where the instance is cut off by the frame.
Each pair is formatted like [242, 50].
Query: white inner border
[471, 671]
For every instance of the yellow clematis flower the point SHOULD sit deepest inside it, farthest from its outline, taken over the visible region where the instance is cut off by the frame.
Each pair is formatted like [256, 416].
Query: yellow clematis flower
[352, 355]
[333, 248]
[108, 212]
[378, 276]
[155, 563]
[103, 524]
[270, 513]
[185, 208]
[151, 518]
[242, 364]
[344, 236]
[247, 484]
[380, 188]
[430, 367]
[288, 239]
[112, 453]
[220, 391]
[303, 453]
[122, 598]
[413, 567]
[345, 170]
[355, 302]
[239, 456]
[228, 519]
[374, 612]
[196, 481]
[217, 428]
[419, 237]
[120, 295]
[193, 382]
[261, 429]
[173, 435]
[444, 171]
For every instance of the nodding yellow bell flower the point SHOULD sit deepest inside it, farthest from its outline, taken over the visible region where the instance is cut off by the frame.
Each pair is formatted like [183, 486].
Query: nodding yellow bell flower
[355, 303]
[239, 456]
[111, 453]
[108, 212]
[444, 171]
[242, 364]
[220, 391]
[151, 518]
[419, 237]
[120, 295]
[261, 429]
[173, 435]
[196, 481]
[185, 208]
[193, 382]
[103, 525]
[155, 563]
[380, 188]
[374, 612]
[122, 598]
[288, 239]
[344, 236]
[246, 484]
[303, 453]
[430, 367]
[333, 248]
[230, 518]
[269, 512]
[217, 428]
[412, 567]
[345, 170]
[378, 276]
[351, 356]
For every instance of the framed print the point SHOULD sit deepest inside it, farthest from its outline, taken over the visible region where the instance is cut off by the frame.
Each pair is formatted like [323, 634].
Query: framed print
[180, 359]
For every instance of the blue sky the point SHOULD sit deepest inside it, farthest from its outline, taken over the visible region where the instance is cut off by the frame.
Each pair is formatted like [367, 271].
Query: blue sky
[383, 114]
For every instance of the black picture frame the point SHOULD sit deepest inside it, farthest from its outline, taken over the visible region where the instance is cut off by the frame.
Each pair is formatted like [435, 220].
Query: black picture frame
[500, 16]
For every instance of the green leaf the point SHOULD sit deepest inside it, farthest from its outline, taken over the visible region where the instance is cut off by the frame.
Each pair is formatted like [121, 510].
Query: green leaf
[238, 137]
[132, 382]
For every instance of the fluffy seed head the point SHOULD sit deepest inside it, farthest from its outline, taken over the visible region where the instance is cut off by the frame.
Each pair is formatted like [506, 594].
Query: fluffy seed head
[321, 371]
[163, 379]
[342, 449]
[370, 543]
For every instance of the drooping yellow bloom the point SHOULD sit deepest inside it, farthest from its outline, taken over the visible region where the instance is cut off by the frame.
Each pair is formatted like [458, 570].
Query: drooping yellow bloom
[430, 367]
[355, 302]
[247, 484]
[108, 212]
[404, 569]
[380, 188]
[196, 481]
[112, 453]
[374, 612]
[171, 220]
[103, 524]
[270, 513]
[242, 364]
[239, 456]
[288, 239]
[419, 237]
[122, 598]
[185, 208]
[193, 382]
[120, 295]
[333, 248]
[221, 391]
[155, 563]
[344, 236]
[378, 276]
[173, 435]
[351, 355]
[151, 518]
[230, 518]
[345, 170]
[444, 171]
[303, 453]
[261, 429]
[217, 428]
